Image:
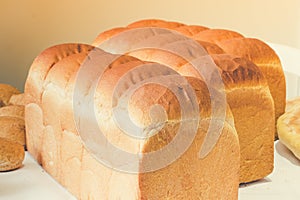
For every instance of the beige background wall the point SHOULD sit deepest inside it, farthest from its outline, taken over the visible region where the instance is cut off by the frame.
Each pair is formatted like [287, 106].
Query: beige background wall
[29, 26]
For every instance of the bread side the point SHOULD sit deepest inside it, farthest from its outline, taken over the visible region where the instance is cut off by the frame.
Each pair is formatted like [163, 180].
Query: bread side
[249, 98]
[252, 106]
[267, 61]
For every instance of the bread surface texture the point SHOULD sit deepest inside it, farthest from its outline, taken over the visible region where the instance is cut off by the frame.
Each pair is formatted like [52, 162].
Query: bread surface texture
[11, 155]
[6, 91]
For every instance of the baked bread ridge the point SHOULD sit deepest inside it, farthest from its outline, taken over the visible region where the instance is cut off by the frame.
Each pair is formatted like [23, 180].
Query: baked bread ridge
[44, 62]
[245, 85]
[61, 151]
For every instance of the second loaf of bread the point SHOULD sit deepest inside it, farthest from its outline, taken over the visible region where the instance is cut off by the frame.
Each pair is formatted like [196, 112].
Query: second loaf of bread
[247, 87]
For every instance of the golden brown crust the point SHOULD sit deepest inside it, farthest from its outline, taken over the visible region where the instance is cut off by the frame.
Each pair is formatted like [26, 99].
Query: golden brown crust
[13, 128]
[267, 61]
[203, 178]
[238, 72]
[216, 35]
[44, 62]
[160, 95]
[11, 155]
[253, 49]
[6, 91]
[248, 95]
[155, 23]
[108, 34]
[17, 99]
[190, 30]
[250, 100]
[211, 48]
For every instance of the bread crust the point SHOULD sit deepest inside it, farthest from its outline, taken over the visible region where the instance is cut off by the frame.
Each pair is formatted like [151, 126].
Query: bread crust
[13, 128]
[17, 99]
[11, 155]
[154, 23]
[216, 35]
[267, 61]
[44, 62]
[6, 91]
[190, 30]
[12, 111]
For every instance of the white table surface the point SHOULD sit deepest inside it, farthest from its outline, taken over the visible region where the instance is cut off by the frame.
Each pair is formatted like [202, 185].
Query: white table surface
[32, 182]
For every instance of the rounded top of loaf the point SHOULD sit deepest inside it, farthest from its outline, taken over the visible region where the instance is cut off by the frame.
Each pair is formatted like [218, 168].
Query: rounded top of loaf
[43, 63]
[253, 49]
[216, 35]
[235, 71]
[154, 23]
[190, 30]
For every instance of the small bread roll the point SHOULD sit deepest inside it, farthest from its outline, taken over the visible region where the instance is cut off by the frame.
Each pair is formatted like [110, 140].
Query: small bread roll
[12, 111]
[17, 99]
[11, 155]
[13, 129]
[6, 91]
[288, 126]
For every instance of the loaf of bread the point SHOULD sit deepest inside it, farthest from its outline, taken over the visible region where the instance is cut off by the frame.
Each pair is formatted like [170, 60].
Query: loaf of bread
[12, 130]
[62, 139]
[247, 88]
